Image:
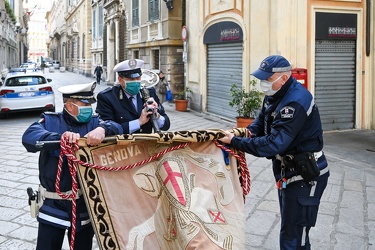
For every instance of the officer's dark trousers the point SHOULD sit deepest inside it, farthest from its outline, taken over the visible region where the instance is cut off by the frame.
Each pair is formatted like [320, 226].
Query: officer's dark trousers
[299, 203]
[51, 238]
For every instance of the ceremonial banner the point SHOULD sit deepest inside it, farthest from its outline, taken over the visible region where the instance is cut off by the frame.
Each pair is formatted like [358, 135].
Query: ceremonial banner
[172, 190]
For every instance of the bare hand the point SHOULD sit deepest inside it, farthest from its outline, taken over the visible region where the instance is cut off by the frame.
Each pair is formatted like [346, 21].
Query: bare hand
[151, 103]
[95, 137]
[227, 138]
[72, 137]
[145, 116]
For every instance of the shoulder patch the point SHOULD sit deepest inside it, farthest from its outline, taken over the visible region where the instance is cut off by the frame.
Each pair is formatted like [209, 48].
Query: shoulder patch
[41, 120]
[287, 112]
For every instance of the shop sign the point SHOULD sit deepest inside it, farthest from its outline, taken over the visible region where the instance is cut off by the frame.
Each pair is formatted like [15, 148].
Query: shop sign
[345, 32]
[223, 32]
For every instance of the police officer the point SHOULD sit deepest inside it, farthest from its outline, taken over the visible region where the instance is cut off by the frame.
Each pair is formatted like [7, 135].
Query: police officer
[123, 103]
[76, 120]
[288, 131]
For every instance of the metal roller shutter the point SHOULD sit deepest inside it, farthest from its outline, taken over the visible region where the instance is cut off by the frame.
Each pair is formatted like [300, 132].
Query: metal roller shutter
[335, 71]
[224, 67]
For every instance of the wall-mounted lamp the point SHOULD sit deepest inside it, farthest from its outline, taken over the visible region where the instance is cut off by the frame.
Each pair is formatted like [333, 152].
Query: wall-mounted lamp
[169, 4]
[19, 29]
[89, 31]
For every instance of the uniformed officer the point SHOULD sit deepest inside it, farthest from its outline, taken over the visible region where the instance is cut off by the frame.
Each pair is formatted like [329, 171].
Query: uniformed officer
[288, 130]
[124, 104]
[76, 120]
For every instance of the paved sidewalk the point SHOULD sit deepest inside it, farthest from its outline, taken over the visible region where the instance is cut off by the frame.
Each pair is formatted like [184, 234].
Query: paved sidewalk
[347, 212]
[346, 217]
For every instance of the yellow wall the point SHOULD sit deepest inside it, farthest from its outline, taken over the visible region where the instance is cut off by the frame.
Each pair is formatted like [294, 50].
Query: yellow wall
[285, 27]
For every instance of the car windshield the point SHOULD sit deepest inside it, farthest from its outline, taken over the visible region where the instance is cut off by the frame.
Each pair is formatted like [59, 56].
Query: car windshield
[25, 81]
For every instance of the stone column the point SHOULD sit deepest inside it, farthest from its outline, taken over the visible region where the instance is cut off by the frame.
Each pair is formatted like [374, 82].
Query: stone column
[110, 54]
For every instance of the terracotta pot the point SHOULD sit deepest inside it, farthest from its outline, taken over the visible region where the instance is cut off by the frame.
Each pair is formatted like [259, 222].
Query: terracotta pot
[243, 122]
[181, 105]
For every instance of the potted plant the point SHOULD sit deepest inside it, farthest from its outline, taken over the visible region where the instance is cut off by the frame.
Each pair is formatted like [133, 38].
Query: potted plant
[181, 99]
[246, 103]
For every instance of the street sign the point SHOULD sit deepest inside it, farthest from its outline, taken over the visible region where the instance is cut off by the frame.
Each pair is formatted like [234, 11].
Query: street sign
[184, 33]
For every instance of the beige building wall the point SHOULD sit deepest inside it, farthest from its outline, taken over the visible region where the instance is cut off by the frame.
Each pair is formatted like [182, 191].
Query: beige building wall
[37, 32]
[370, 67]
[162, 35]
[285, 27]
[78, 25]
[364, 106]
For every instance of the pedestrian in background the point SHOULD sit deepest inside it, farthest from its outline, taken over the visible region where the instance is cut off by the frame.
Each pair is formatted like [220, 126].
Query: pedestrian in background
[98, 72]
[124, 104]
[76, 120]
[288, 131]
[43, 66]
[162, 87]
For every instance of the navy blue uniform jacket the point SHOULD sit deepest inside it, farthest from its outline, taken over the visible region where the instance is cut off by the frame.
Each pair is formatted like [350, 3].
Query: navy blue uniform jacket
[112, 104]
[288, 123]
[50, 128]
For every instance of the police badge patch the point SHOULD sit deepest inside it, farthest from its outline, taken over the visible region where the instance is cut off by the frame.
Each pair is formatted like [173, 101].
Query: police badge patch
[287, 112]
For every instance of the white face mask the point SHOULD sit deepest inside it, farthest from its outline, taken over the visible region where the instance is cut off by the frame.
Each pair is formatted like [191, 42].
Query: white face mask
[266, 87]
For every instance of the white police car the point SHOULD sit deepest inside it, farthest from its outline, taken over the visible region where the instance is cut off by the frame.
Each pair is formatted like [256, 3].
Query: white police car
[26, 92]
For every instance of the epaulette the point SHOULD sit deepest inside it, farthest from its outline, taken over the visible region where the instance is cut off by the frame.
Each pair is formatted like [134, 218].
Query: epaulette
[106, 90]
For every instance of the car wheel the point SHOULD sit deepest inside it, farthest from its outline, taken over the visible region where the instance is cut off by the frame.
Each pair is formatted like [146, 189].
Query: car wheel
[2, 116]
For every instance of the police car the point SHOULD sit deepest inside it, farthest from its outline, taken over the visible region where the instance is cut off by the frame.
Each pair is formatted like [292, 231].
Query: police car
[21, 91]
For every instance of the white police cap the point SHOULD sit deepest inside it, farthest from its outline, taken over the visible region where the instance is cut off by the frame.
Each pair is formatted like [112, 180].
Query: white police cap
[83, 92]
[129, 68]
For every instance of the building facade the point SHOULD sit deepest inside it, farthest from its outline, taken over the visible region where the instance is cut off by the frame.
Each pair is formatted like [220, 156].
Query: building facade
[37, 31]
[330, 44]
[70, 35]
[13, 34]
[78, 44]
[57, 32]
[331, 41]
[153, 34]
[97, 36]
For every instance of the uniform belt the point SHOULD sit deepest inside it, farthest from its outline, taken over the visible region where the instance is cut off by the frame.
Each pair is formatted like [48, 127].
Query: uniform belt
[317, 155]
[55, 196]
[299, 177]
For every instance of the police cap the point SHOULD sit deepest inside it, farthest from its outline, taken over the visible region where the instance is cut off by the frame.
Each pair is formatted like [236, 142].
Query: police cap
[270, 65]
[83, 92]
[129, 68]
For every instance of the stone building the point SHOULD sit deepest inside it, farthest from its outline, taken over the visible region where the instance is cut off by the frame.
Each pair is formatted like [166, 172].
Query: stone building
[331, 42]
[70, 35]
[153, 34]
[37, 30]
[13, 34]
[97, 36]
[57, 31]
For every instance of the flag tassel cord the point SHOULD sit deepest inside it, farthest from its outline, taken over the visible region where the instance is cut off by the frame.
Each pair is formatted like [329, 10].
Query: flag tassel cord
[69, 149]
